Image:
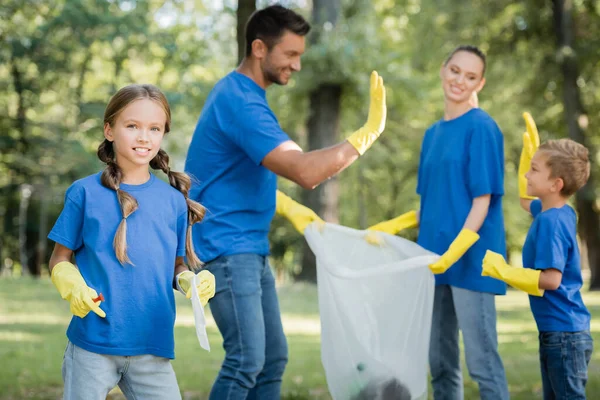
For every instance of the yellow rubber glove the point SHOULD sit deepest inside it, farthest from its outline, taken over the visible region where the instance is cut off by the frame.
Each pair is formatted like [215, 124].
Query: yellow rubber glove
[363, 138]
[392, 227]
[525, 279]
[205, 282]
[71, 286]
[531, 142]
[300, 216]
[463, 242]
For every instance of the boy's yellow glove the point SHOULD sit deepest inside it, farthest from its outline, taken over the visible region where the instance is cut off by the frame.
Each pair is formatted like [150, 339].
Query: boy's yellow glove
[525, 279]
[531, 142]
[71, 286]
[363, 138]
[463, 242]
[300, 216]
[205, 282]
[392, 227]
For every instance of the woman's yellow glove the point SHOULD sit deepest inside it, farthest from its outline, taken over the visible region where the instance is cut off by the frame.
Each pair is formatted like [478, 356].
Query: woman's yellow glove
[363, 138]
[525, 279]
[300, 216]
[463, 242]
[393, 226]
[531, 142]
[71, 286]
[205, 282]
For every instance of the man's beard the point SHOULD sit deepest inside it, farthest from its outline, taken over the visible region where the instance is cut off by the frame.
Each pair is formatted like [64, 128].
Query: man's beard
[271, 75]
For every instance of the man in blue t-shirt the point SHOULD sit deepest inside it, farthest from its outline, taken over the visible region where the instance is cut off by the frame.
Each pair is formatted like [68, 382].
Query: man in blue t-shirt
[237, 151]
[552, 273]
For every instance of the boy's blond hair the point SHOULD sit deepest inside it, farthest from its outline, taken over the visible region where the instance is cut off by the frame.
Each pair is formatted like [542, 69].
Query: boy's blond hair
[569, 161]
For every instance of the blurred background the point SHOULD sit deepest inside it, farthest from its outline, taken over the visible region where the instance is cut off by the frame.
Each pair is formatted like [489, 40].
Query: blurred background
[61, 60]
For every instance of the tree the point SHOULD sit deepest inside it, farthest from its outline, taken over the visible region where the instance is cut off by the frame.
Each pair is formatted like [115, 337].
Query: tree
[577, 123]
[323, 128]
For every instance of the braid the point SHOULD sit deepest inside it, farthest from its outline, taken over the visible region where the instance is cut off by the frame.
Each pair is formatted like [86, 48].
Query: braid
[182, 182]
[111, 178]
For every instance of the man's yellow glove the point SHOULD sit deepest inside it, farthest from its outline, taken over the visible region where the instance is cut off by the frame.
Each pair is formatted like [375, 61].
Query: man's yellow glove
[531, 142]
[71, 286]
[205, 283]
[300, 216]
[463, 242]
[525, 279]
[363, 138]
[392, 227]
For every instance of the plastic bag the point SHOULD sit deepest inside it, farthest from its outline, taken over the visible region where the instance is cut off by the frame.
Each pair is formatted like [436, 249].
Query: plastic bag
[375, 305]
[199, 318]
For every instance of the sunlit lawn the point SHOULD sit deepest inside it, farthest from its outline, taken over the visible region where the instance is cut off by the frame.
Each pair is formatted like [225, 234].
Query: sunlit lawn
[33, 320]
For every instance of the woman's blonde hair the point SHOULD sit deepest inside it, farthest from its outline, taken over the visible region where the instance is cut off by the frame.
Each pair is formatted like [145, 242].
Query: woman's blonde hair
[569, 161]
[113, 175]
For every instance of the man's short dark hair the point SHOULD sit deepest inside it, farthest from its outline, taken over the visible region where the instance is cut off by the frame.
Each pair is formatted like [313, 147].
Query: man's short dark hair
[270, 23]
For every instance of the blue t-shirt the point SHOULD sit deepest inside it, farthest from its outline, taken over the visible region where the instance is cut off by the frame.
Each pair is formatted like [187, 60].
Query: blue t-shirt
[462, 159]
[236, 130]
[139, 301]
[552, 243]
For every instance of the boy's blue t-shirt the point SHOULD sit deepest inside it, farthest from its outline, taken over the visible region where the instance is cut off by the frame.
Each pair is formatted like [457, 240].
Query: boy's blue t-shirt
[552, 243]
[462, 159]
[138, 299]
[236, 130]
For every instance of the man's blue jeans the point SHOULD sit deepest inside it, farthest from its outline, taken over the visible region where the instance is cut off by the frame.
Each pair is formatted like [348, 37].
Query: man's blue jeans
[474, 313]
[564, 359]
[246, 310]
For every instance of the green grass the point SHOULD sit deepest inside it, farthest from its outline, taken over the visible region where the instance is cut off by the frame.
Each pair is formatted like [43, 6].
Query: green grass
[33, 320]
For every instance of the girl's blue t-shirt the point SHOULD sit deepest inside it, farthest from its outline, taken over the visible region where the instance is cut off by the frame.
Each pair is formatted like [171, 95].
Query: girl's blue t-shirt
[552, 243]
[462, 159]
[139, 301]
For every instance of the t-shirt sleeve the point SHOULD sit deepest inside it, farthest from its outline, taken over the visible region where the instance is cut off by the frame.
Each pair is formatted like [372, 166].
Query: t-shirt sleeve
[486, 161]
[535, 207]
[182, 223]
[68, 228]
[551, 246]
[256, 131]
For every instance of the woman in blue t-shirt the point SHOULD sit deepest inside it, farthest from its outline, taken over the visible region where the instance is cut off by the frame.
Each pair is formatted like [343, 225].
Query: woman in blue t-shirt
[552, 273]
[129, 233]
[460, 182]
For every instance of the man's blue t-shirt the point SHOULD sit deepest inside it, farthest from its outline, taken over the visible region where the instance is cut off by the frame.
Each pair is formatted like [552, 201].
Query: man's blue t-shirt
[138, 299]
[462, 159]
[236, 130]
[552, 243]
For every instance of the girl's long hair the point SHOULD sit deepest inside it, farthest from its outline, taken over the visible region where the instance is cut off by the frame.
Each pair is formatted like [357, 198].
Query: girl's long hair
[112, 175]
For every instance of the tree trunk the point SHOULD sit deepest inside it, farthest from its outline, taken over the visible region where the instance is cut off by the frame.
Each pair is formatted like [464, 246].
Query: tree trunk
[26, 191]
[576, 118]
[244, 11]
[42, 243]
[323, 131]
[323, 128]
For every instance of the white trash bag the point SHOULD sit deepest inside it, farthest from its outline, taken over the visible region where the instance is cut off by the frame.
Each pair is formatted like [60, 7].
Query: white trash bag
[375, 305]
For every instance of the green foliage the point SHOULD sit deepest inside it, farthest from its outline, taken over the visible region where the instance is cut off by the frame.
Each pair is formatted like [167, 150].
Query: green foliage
[61, 60]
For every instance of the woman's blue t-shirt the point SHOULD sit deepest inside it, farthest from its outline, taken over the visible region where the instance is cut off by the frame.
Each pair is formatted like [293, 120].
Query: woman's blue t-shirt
[462, 159]
[552, 243]
[139, 301]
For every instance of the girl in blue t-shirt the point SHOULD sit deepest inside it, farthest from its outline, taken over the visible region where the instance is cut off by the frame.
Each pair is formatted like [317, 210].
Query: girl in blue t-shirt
[129, 233]
[460, 183]
[552, 273]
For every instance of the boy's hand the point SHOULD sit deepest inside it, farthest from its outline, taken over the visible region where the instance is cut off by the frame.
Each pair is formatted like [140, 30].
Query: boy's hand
[531, 142]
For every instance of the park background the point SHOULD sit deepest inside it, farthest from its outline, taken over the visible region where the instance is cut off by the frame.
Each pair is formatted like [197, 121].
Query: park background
[61, 60]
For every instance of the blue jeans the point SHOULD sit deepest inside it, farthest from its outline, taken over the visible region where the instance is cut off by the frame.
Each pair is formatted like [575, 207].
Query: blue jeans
[474, 313]
[246, 310]
[90, 376]
[564, 358]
